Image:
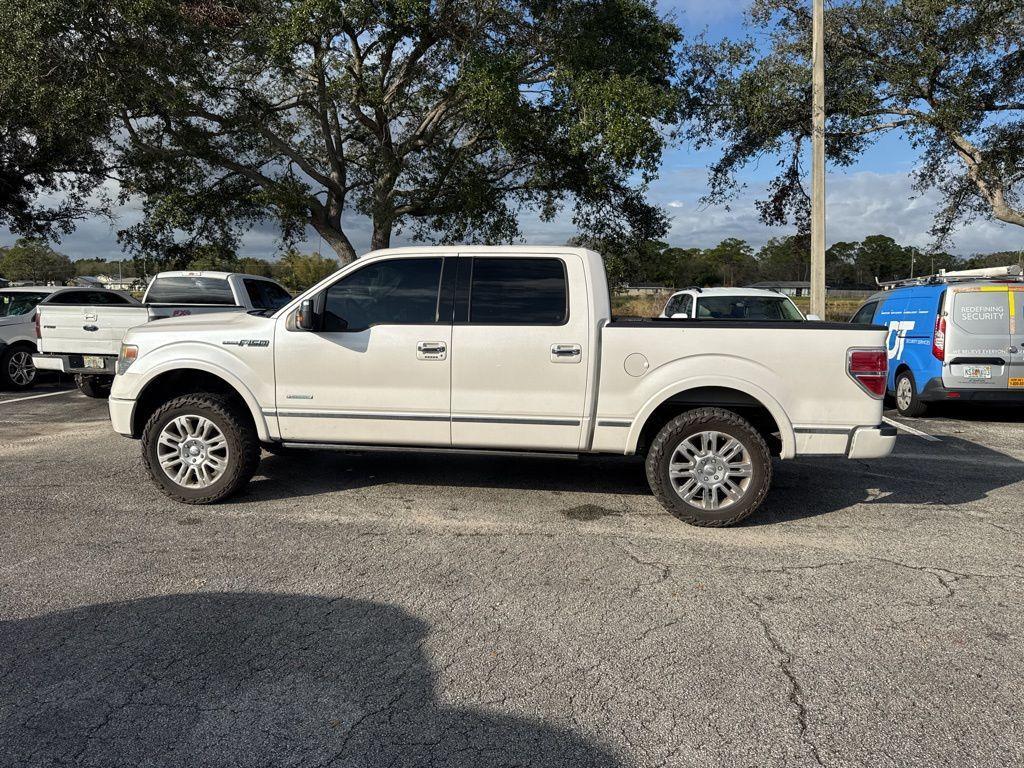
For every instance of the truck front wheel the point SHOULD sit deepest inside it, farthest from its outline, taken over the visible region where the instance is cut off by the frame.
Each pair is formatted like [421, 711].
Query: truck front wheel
[709, 467]
[200, 448]
[94, 386]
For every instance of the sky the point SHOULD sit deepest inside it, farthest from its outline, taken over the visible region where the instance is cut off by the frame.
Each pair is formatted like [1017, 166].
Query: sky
[874, 196]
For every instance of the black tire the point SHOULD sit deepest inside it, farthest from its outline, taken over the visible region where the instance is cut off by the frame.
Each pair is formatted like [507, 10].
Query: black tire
[689, 424]
[243, 445]
[94, 386]
[12, 368]
[908, 404]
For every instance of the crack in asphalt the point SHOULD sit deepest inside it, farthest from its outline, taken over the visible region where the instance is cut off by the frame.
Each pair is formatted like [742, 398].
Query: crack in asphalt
[796, 691]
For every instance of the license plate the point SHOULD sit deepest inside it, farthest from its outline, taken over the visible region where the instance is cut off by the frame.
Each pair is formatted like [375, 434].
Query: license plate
[978, 372]
[93, 361]
[1016, 382]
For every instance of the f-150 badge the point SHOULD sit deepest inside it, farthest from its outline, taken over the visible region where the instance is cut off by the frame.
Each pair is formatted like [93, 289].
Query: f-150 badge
[248, 343]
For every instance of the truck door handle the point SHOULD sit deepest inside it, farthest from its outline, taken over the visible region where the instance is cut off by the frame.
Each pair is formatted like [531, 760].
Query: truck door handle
[431, 350]
[89, 328]
[566, 353]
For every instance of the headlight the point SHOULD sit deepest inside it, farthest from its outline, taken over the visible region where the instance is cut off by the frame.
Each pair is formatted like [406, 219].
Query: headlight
[128, 354]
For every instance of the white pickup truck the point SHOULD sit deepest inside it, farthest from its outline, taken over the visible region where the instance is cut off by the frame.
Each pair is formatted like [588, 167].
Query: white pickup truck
[508, 349]
[83, 339]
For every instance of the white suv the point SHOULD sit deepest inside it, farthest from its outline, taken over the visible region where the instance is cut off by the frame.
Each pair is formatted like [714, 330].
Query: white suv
[751, 304]
[18, 334]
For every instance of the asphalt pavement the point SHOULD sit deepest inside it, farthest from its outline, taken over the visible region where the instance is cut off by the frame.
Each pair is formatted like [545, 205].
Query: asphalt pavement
[405, 609]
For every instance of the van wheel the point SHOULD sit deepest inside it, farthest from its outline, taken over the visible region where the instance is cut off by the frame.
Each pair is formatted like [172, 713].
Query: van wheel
[709, 467]
[200, 448]
[94, 386]
[907, 401]
[17, 371]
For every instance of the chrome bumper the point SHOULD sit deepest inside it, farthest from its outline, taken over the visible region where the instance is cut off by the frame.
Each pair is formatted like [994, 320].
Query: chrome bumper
[872, 442]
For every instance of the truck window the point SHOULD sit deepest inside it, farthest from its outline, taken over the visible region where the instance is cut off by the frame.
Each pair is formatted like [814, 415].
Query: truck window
[680, 303]
[865, 314]
[518, 292]
[392, 292]
[190, 290]
[264, 294]
[763, 308]
[13, 303]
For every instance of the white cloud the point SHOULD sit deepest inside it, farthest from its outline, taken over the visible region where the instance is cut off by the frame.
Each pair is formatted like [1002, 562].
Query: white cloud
[859, 204]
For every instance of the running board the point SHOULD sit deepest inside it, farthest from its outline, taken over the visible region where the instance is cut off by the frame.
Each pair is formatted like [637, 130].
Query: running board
[357, 448]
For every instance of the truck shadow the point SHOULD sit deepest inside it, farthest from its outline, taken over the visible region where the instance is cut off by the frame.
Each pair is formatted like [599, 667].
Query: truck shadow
[968, 411]
[307, 472]
[229, 679]
[918, 473]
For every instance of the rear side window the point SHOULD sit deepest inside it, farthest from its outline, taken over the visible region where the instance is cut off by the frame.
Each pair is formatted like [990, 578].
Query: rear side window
[865, 314]
[264, 294]
[518, 292]
[190, 290]
[982, 313]
[392, 292]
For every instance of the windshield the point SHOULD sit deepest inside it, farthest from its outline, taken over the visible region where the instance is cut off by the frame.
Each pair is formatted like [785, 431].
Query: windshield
[747, 308]
[18, 302]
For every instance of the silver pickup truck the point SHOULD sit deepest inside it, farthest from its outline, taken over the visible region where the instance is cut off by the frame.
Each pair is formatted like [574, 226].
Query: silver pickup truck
[499, 349]
[84, 339]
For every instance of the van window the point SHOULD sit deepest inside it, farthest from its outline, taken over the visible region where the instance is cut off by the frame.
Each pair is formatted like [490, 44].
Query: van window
[518, 292]
[982, 313]
[190, 290]
[865, 314]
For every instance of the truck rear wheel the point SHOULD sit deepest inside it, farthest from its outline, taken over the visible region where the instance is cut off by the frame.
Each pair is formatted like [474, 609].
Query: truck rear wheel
[94, 386]
[200, 448]
[709, 467]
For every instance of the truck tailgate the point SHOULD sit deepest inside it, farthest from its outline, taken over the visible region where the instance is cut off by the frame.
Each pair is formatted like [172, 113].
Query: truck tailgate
[86, 330]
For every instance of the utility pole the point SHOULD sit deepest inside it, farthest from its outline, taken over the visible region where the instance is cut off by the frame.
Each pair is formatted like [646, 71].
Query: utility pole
[818, 164]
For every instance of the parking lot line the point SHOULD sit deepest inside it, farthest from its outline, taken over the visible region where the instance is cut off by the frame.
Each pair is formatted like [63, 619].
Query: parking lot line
[911, 430]
[34, 397]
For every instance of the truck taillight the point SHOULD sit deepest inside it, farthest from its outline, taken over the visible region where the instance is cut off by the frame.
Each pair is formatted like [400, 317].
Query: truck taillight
[869, 368]
[939, 342]
[39, 330]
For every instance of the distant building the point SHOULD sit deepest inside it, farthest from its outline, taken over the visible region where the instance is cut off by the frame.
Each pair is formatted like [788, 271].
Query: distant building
[4, 282]
[646, 289]
[788, 287]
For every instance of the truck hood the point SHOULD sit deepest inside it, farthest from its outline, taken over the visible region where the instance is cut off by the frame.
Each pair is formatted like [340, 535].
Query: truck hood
[222, 325]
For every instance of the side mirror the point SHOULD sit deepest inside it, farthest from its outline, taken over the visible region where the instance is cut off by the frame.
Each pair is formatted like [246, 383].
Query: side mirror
[305, 319]
[680, 316]
[814, 318]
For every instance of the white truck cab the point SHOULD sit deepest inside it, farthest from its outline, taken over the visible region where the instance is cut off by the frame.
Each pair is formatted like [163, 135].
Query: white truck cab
[498, 348]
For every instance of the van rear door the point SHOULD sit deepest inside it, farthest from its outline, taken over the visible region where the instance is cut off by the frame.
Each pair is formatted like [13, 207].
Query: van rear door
[978, 337]
[1016, 350]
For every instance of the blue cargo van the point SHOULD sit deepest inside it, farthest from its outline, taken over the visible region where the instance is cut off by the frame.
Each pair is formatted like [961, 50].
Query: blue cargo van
[951, 340]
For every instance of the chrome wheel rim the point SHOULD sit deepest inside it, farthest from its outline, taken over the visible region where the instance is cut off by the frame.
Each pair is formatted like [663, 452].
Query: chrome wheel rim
[904, 394]
[20, 368]
[192, 451]
[710, 470]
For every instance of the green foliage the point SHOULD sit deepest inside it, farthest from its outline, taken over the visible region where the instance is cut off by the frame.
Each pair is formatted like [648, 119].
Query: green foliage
[56, 112]
[299, 271]
[35, 261]
[947, 75]
[733, 262]
[441, 118]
